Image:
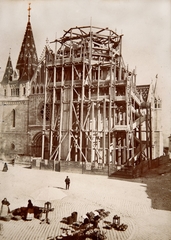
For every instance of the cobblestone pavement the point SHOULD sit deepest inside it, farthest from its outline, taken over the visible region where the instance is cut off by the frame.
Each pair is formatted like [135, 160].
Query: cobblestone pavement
[87, 193]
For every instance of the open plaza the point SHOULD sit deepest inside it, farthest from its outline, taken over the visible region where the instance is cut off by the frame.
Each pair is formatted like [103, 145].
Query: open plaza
[129, 199]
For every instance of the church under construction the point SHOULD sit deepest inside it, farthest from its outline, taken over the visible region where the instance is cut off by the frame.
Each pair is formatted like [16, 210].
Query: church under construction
[78, 108]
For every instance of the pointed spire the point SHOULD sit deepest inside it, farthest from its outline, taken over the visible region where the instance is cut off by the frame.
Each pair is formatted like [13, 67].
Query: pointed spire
[29, 9]
[8, 72]
[27, 60]
[156, 89]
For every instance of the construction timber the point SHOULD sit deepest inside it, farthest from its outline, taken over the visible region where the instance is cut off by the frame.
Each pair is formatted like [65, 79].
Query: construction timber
[97, 116]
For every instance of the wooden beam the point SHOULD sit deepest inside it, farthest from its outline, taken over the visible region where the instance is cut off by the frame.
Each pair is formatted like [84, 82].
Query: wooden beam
[44, 114]
[104, 130]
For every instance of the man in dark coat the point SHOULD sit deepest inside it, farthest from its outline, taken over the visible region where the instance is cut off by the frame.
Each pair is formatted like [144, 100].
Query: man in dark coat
[5, 168]
[67, 181]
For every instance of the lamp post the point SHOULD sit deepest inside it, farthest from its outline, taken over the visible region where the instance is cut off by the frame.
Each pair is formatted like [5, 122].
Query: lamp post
[116, 221]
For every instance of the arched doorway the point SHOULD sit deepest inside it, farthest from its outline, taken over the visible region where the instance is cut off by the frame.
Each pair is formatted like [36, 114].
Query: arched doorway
[37, 146]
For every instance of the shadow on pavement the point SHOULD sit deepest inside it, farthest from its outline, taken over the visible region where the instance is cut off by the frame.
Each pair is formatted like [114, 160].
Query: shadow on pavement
[60, 188]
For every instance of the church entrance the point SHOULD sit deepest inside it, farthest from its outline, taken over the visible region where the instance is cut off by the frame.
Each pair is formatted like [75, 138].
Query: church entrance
[37, 146]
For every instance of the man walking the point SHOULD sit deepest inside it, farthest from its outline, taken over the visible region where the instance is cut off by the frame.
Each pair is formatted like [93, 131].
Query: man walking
[67, 181]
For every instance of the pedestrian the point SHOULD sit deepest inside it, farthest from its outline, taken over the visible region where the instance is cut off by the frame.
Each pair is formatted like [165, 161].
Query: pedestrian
[4, 208]
[5, 168]
[30, 211]
[67, 181]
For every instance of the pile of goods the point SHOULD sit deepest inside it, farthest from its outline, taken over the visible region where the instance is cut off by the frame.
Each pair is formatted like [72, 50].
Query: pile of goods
[89, 227]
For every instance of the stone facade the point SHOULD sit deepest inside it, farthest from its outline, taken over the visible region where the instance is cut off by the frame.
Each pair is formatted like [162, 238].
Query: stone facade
[22, 109]
[13, 126]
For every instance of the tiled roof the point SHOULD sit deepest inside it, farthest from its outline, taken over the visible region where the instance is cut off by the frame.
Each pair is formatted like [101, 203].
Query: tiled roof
[8, 72]
[27, 60]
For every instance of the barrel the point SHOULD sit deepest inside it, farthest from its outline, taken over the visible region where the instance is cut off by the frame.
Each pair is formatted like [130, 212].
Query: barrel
[70, 220]
[74, 216]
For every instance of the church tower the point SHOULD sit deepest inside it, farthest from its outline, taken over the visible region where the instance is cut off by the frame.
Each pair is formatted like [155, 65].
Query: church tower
[27, 59]
[16, 82]
[14, 103]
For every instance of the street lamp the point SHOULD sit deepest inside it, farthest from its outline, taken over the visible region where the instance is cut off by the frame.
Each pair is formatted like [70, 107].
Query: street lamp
[116, 221]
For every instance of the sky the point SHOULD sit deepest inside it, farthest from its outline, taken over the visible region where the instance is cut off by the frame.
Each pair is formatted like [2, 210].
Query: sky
[145, 24]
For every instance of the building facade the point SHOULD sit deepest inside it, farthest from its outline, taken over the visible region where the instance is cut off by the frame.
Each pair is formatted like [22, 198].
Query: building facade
[78, 104]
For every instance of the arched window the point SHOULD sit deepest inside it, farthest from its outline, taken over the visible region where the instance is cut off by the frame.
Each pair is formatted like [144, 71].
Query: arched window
[41, 89]
[13, 117]
[33, 90]
[24, 91]
[17, 92]
[37, 89]
[5, 92]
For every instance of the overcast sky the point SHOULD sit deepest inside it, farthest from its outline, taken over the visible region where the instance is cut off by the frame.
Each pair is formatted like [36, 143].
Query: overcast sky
[145, 24]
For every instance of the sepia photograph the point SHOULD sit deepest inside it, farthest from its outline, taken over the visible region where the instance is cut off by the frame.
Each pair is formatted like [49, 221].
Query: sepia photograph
[85, 119]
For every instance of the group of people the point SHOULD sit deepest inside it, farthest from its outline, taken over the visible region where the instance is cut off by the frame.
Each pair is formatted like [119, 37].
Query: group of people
[67, 179]
[5, 210]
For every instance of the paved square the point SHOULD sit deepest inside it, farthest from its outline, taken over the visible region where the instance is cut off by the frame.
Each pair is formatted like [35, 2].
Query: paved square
[128, 199]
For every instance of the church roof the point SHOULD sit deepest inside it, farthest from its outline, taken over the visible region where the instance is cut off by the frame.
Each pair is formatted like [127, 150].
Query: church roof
[27, 60]
[8, 72]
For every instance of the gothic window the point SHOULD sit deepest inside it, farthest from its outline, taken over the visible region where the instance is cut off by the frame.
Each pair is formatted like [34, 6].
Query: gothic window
[13, 117]
[24, 91]
[5, 92]
[33, 90]
[13, 92]
[17, 91]
[41, 89]
[37, 89]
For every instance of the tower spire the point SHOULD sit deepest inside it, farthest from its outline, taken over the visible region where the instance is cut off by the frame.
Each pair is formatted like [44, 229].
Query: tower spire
[27, 59]
[29, 9]
[8, 72]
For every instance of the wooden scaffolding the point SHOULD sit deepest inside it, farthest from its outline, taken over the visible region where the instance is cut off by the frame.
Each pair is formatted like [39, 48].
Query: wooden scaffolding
[96, 112]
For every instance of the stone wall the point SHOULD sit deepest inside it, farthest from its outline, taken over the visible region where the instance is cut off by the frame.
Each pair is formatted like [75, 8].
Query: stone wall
[70, 166]
[13, 136]
[84, 168]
